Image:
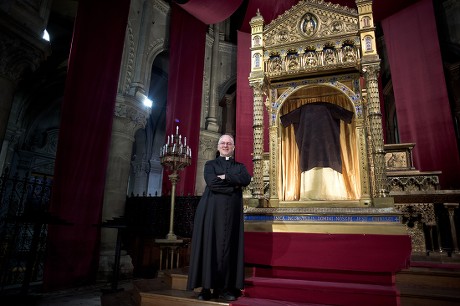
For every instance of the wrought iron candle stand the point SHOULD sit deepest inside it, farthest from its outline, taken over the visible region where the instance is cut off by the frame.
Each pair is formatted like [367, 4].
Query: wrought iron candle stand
[175, 155]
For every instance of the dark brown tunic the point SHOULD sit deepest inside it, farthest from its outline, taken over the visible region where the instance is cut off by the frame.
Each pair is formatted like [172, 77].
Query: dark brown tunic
[216, 259]
[317, 134]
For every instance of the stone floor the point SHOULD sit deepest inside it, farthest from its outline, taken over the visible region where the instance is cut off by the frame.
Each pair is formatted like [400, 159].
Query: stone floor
[96, 295]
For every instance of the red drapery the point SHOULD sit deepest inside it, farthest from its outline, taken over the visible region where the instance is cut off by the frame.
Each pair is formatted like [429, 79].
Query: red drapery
[244, 105]
[187, 48]
[84, 141]
[211, 11]
[422, 103]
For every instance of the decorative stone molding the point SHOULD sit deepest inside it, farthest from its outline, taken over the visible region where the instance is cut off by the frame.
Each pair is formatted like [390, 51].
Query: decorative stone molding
[130, 115]
[161, 6]
[130, 49]
[208, 145]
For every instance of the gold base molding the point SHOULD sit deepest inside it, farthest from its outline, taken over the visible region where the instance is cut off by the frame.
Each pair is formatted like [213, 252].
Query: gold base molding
[326, 220]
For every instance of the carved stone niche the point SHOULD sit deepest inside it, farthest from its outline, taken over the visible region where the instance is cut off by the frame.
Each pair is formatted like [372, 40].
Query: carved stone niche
[401, 173]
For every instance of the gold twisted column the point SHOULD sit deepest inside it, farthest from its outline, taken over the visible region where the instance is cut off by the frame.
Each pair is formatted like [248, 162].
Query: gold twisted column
[375, 127]
[370, 68]
[258, 126]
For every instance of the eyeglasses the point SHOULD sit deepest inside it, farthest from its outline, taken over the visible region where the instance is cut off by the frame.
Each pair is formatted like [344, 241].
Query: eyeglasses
[226, 143]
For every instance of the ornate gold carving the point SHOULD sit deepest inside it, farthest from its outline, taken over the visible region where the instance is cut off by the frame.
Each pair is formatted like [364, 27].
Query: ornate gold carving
[311, 36]
[375, 128]
[258, 183]
[316, 43]
[413, 183]
[311, 19]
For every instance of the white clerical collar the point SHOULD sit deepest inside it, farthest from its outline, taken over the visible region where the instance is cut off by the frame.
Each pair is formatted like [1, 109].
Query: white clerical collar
[226, 157]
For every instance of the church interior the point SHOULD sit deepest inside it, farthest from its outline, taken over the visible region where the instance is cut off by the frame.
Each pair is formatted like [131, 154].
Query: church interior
[346, 113]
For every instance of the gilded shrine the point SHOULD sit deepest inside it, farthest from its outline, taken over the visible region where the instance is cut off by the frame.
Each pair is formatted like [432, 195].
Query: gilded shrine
[314, 71]
[318, 57]
[321, 188]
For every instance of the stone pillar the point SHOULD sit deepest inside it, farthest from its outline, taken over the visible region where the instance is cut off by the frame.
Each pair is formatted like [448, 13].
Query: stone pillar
[130, 115]
[141, 168]
[211, 120]
[230, 114]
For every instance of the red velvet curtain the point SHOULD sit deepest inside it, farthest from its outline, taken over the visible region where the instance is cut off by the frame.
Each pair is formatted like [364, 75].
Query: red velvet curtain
[84, 140]
[422, 103]
[244, 104]
[211, 11]
[187, 48]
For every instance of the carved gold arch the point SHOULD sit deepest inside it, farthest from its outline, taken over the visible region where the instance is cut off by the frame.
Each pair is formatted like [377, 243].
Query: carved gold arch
[341, 90]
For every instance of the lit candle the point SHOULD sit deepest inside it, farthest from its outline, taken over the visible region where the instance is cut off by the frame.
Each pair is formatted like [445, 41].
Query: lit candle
[185, 141]
[177, 130]
[168, 139]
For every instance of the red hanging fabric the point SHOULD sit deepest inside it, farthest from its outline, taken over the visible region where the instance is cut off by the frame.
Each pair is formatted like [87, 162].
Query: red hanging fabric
[422, 103]
[84, 142]
[187, 41]
[211, 11]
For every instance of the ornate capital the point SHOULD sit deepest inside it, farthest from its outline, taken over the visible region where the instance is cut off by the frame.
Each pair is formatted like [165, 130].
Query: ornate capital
[130, 115]
[259, 86]
[371, 71]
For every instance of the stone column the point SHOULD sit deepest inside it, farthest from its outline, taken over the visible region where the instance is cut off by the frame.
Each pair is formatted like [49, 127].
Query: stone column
[211, 120]
[230, 113]
[141, 173]
[130, 115]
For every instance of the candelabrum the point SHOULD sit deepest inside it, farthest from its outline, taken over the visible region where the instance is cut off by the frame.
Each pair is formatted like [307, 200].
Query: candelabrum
[175, 155]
